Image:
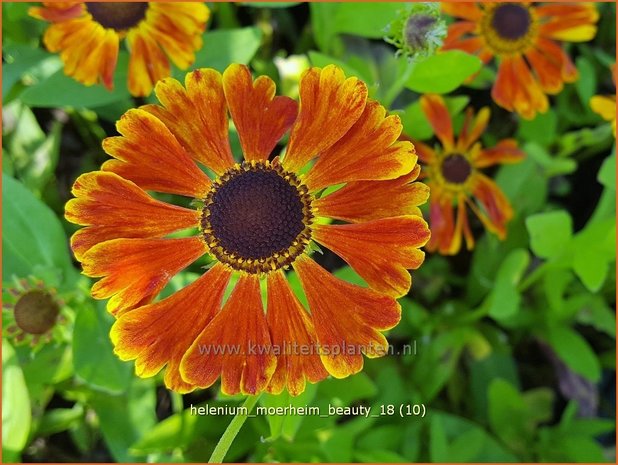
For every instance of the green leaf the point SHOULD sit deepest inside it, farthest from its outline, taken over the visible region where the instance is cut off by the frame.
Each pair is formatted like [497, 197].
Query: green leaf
[594, 248]
[224, 47]
[552, 166]
[59, 90]
[126, 418]
[365, 19]
[575, 351]
[541, 129]
[60, 419]
[25, 61]
[287, 425]
[443, 72]
[343, 392]
[607, 173]
[93, 355]
[438, 445]
[524, 185]
[504, 296]
[323, 25]
[549, 233]
[586, 85]
[16, 416]
[508, 415]
[32, 235]
[34, 155]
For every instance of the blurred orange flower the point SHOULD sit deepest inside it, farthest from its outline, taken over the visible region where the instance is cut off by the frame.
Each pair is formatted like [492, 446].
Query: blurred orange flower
[87, 35]
[524, 39]
[452, 173]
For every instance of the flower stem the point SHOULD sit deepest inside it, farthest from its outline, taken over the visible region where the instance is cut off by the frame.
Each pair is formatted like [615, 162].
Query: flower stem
[232, 430]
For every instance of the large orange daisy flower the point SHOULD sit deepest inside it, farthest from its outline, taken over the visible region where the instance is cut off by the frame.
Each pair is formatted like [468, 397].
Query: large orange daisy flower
[455, 180]
[255, 220]
[87, 35]
[523, 38]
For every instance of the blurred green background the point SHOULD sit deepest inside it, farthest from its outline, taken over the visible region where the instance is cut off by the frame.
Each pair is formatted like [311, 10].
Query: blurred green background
[515, 341]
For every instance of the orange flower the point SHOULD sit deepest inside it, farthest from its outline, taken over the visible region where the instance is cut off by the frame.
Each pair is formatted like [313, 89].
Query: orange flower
[605, 105]
[455, 180]
[255, 220]
[524, 40]
[87, 35]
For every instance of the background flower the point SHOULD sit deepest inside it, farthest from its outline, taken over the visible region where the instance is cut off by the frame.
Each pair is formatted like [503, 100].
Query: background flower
[455, 180]
[524, 39]
[88, 35]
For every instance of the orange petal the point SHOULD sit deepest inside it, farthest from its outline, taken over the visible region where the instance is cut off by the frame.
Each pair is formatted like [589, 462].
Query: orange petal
[462, 10]
[147, 64]
[463, 224]
[471, 45]
[57, 11]
[472, 128]
[89, 51]
[497, 210]
[113, 208]
[362, 201]
[547, 70]
[439, 118]
[506, 151]
[380, 251]
[529, 98]
[235, 345]
[178, 28]
[260, 118]
[347, 318]
[456, 31]
[442, 223]
[517, 90]
[426, 154]
[549, 48]
[293, 337]
[329, 105]
[368, 151]
[159, 334]
[197, 117]
[134, 271]
[572, 23]
[151, 157]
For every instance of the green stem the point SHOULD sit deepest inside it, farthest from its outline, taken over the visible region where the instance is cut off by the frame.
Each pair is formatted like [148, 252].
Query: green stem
[232, 430]
[398, 85]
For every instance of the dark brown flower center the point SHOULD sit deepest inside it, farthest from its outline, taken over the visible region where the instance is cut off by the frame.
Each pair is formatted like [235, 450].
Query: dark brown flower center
[255, 213]
[36, 312]
[456, 169]
[416, 30]
[511, 21]
[117, 15]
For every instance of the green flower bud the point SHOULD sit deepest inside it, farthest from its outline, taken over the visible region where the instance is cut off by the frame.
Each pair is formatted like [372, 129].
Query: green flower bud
[417, 31]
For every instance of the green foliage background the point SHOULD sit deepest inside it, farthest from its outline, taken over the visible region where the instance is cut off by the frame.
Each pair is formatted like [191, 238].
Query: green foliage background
[515, 342]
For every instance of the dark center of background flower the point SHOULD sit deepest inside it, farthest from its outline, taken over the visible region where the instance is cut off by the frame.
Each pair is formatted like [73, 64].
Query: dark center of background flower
[456, 169]
[256, 214]
[417, 28]
[36, 312]
[117, 15]
[511, 21]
